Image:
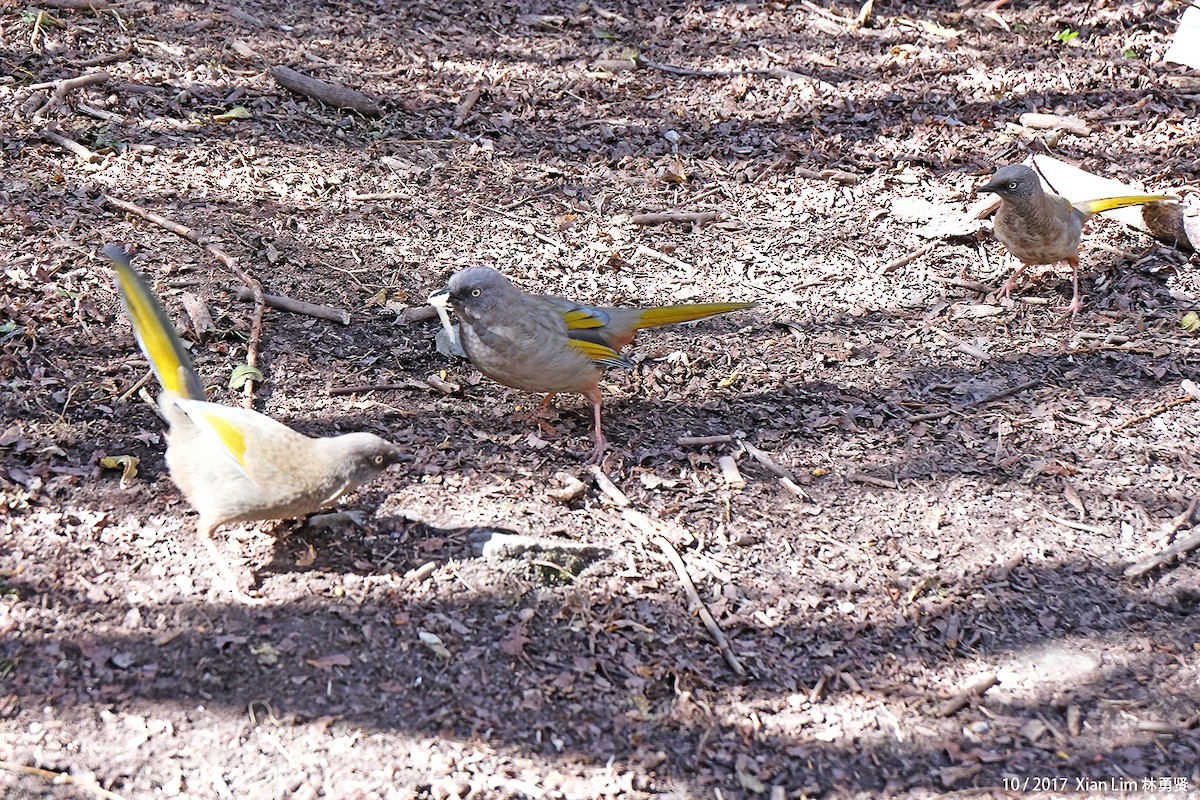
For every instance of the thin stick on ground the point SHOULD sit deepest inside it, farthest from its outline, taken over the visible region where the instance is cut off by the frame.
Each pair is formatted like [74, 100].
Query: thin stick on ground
[1184, 545]
[689, 72]
[678, 217]
[1072, 524]
[871, 480]
[697, 441]
[371, 387]
[132, 390]
[640, 521]
[299, 306]
[962, 283]
[972, 689]
[1154, 412]
[519, 224]
[991, 398]
[706, 616]
[256, 317]
[331, 94]
[637, 519]
[775, 468]
[464, 108]
[63, 87]
[61, 777]
[74, 147]
[908, 259]
[608, 487]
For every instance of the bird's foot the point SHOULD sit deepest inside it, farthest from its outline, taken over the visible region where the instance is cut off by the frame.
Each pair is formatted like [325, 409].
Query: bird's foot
[1073, 309]
[1004, 292]
[227, 576]
[596, 455]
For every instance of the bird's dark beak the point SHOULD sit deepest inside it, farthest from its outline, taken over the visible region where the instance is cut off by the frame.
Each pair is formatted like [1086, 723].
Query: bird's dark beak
[397, 457]
[991, 186]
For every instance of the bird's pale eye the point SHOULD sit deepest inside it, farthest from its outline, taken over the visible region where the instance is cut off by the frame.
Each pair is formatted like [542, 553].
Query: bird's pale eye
[476, 292]
[378, 459]
[1012, 184]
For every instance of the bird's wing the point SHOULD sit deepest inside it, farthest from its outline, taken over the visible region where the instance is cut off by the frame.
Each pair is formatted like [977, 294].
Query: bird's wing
[601, 354]
[588, 331]
[223, 425]
[581, 317]
[243, 434]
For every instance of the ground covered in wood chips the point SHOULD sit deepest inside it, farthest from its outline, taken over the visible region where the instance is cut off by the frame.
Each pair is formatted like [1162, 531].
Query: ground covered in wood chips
[939, 605]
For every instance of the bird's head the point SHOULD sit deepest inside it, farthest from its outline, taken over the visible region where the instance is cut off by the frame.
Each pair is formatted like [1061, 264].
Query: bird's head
[476, 292]
[1014, 182]
[361, 456]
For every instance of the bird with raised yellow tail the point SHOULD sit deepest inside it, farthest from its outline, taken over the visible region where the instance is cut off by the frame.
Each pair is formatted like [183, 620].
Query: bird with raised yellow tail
[1040, 227]
[235, 464]
[541, 343]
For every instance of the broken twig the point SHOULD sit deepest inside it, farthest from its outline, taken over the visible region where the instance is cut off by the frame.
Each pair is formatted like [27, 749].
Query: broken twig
[730, 473]
[908, 259]
[1154, 412]
[62, 778]
[70, 145]
[991, 398]
[697, 441]
[373, 387]
[608, 487]
[636, 519]
[758, 455]
[62, 87]
[871, 480]
[521, 225]
[328, 93]
[299, 306]
[972, 689]
[464, 108]
[1184, 545]
[679, 217]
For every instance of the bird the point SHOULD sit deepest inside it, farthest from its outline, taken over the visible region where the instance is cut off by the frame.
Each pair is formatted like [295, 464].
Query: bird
[1041, 227]
[542, 343]
[235, 464]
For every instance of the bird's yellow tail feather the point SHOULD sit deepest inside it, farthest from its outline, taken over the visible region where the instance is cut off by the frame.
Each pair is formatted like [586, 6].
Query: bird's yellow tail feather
[669, 315]
[1091, 207]
[154, 330]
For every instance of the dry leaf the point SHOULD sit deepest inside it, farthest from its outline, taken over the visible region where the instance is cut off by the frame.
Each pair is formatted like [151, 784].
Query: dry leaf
[434, 643]
[329, 662]
[127, 464]
[513, 644]
[266, 654]
[307, 558]
[1074, 499]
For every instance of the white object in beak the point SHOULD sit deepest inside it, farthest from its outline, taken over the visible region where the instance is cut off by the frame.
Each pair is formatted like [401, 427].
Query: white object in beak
[440, 301]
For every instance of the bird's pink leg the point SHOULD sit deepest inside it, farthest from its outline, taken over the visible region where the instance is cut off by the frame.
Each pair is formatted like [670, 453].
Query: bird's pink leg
[1006, 288]
[1076, 298]
[601, 445]
[224, 568]
[594, 397]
